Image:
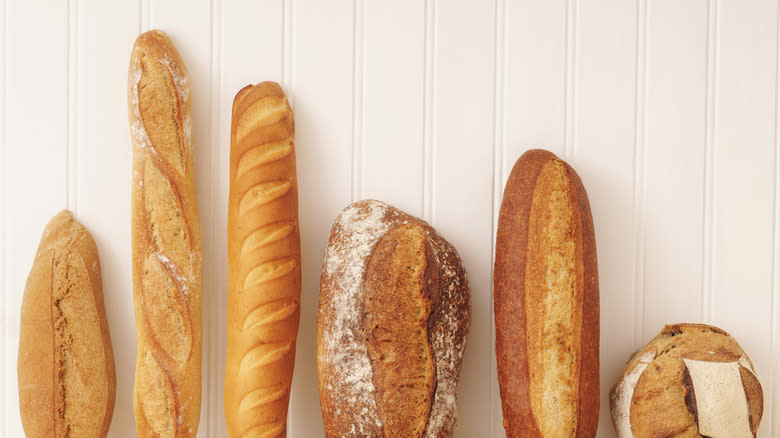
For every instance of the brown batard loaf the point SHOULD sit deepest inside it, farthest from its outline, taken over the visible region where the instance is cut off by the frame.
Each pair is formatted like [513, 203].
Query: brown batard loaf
[546, 302]
[67, 382]
[264, 263]
[166, 242]
[393, 318]
[692, 380]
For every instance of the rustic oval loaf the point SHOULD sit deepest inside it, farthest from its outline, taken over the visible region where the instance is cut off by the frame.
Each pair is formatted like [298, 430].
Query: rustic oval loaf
[394, 314]
[546, 302]
[67, 382]
[166, 242]
[264, 263]
[692, 380]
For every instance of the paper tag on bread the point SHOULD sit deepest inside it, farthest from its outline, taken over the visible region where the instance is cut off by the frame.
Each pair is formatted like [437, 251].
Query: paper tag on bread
[720, 399]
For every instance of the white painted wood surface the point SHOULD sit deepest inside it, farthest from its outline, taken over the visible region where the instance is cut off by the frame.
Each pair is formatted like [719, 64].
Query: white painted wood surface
[668, 110]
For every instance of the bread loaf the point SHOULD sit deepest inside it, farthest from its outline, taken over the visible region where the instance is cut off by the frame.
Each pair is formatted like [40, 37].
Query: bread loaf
[393, 318]
[691, 380]
[66, 373]
[546, 302]
[166, 242]
[264, 263]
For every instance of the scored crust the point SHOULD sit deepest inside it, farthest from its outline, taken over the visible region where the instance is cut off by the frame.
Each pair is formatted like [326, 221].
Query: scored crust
[655, 395]
[546, 302]
[350, 397]
[67, 380]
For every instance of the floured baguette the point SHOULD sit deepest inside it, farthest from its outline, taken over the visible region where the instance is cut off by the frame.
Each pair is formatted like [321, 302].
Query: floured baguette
[393, 318]
[166, 242]
[264, 263]
[546, 302]
[67, 382]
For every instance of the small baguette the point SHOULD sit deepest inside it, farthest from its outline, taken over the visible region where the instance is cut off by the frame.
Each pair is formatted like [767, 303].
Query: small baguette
[546, 302]
[67, 382]
[166, 242]
[264, 263]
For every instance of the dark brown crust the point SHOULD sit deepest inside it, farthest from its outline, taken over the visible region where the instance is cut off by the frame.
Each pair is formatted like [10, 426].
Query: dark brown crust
[509, 301]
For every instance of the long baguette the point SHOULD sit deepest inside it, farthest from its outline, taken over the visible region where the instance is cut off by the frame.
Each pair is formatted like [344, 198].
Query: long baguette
[546, 302]
[166, 242]
[67, 382]
[264, 255]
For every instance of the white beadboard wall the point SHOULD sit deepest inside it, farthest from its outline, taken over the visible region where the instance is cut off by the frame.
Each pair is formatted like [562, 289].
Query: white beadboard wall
[667, 109]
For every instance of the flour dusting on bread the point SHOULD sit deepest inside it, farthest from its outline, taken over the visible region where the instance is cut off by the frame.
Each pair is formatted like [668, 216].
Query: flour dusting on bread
[347, 376]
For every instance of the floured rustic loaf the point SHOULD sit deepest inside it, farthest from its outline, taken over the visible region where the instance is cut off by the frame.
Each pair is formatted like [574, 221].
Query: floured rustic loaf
[67, 382]
[546, 302]
[393, 318]
[692, 380]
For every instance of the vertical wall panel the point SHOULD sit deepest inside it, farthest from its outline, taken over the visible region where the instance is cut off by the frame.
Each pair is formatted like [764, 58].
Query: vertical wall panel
[248, 50]
[535, 94]
[106, 33]
[323, 89]
[6, 385]
[392, 112]
[462, 181]
[36, 134]
[603, 155]
[744, 175]
[673, 166]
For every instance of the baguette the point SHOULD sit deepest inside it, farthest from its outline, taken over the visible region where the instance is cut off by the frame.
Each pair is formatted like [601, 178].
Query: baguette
[67, 383]
[264, 263]
[166, 242]
[546, 302]
[394, 314]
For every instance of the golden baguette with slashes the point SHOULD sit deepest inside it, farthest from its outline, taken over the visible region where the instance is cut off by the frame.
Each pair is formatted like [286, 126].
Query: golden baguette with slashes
[166, 242]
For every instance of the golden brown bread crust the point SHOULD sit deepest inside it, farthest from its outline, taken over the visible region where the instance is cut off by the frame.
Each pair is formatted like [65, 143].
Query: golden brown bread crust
[655, 395]
[546, 302]
[67, 382]
[373, 364]
[264, 272]
[400, 286]
[166, 242]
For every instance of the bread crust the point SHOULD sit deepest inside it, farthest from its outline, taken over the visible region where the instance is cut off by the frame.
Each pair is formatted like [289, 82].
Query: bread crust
[519, 299]
[67, 380]
[349, 397]
[655, 395]
[264, 269]
[166, 242]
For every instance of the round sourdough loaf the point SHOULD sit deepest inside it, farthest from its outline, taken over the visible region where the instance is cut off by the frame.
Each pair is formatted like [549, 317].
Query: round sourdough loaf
[393, 318]
[692, 380]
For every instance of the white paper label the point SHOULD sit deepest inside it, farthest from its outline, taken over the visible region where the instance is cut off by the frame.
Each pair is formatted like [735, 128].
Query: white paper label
[720, 399]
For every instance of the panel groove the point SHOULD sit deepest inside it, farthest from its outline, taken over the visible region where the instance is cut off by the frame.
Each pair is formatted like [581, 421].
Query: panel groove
[429, 111]
[640, 173]
[710, 154]
[3, 227]
[570, 87]
[773, 414]
[358, 97]
[499, 146]
[216, 159]
[72, 142]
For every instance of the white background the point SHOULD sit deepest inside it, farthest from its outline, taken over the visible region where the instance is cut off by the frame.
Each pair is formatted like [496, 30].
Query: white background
[668, 109]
